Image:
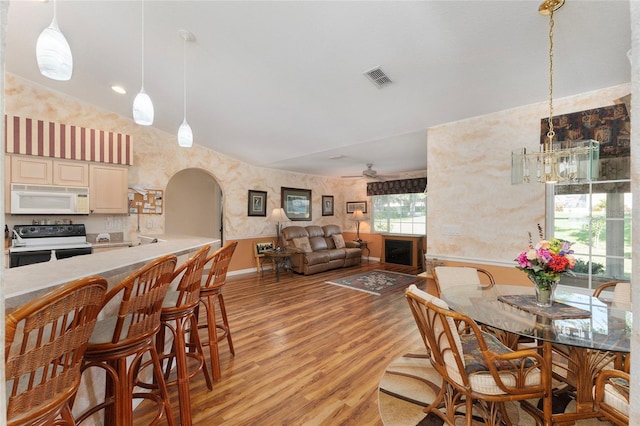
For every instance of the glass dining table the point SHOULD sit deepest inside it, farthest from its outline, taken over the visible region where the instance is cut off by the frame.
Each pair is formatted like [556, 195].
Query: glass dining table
[585, 333]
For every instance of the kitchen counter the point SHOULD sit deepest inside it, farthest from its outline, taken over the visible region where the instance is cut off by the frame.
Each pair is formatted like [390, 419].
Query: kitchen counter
[26, 282]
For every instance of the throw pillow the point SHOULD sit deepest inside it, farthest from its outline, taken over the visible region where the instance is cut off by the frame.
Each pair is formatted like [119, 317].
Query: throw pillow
[303, 244]
[338, 241]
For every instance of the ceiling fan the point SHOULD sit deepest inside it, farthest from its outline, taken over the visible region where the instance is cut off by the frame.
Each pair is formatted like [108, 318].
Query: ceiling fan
[371, 174]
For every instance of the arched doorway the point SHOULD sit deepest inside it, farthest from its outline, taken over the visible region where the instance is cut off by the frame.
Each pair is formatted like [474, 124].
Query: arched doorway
[193, 204]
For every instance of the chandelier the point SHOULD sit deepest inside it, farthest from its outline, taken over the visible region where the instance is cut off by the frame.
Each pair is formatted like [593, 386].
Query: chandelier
[555, 161]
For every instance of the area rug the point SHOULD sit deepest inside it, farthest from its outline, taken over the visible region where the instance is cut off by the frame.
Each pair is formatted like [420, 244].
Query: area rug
[410, 383]
[376, 282]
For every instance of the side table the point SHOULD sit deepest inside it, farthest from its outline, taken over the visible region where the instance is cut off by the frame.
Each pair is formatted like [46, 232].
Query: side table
[364, 245]
[280, 259]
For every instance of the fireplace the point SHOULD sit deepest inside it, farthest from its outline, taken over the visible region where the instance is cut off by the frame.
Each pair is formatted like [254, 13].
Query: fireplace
[403, 249]
[398, 252]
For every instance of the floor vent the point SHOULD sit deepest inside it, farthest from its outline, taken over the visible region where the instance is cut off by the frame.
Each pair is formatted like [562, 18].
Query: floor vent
[378, 77]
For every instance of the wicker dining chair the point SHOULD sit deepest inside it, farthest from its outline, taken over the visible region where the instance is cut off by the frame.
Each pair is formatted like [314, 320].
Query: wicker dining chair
[210, 292]
[479, 373]
[446, 277]
[45, 340]
[612, 396]
[621, 292]
[119, 342]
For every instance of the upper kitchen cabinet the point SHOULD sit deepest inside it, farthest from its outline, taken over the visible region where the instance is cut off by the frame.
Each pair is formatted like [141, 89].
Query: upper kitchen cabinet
[70, 173]
[47, 171]
[108, 189]
[31, 169]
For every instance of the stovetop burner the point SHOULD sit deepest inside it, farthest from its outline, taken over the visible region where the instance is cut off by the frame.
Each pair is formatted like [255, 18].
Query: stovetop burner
[48, 237]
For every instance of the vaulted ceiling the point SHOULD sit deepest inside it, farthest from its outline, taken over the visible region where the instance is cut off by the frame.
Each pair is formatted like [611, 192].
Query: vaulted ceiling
[281, 85]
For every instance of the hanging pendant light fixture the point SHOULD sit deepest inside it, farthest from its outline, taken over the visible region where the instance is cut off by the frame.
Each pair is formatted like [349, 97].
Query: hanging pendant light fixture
[566, 161]
[142, 105]
[53, 52]
[185, 134]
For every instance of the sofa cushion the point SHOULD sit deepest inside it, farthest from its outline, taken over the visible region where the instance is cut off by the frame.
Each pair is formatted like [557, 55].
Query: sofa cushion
[336, 254]
[317, 257]
[338, 240]
[302, 243]
[330, 230]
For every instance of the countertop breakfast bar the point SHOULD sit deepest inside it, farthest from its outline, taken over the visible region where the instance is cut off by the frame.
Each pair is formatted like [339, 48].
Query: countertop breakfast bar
[26, 282]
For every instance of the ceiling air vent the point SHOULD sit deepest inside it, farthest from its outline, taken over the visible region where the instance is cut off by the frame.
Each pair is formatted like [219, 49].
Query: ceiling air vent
[378, 77]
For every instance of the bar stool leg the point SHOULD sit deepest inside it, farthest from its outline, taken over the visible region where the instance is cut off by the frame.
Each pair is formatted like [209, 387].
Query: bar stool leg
[225, 321]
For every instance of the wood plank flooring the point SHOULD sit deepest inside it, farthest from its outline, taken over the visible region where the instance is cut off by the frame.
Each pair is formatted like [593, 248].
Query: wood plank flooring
[307, 353]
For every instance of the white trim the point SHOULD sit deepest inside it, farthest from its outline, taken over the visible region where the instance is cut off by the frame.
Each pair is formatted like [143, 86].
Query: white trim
[505, 263]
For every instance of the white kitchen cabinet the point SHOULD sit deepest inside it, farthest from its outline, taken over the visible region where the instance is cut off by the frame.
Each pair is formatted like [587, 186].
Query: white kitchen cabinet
[70, 173]
[108, 189]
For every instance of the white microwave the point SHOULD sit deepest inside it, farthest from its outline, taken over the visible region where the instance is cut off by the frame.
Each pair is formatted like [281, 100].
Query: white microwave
[44, 199]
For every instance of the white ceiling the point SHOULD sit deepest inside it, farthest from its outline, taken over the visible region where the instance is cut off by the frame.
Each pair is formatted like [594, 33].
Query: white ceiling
[279, 84]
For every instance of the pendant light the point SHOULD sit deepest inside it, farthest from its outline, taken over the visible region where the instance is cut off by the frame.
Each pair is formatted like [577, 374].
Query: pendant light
[185, 134]
[142, 105]
[565, 161]
[53, 52]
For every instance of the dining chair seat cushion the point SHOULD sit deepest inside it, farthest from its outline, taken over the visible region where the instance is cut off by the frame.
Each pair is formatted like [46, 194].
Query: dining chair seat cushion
[457, 276]
[480, 378]
[616, 394]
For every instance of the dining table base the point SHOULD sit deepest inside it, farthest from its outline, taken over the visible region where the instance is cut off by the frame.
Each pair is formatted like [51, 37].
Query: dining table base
[580, 368]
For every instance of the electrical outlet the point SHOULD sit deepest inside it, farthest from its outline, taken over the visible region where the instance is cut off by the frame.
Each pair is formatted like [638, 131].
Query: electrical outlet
[149, 224]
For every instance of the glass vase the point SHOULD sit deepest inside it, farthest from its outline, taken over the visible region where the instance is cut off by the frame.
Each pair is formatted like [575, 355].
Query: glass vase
[545, 290]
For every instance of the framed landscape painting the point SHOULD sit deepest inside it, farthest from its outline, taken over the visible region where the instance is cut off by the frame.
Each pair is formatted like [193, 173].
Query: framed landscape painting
[352, 206]
[296, 203]
[257, 203]
[327, 205]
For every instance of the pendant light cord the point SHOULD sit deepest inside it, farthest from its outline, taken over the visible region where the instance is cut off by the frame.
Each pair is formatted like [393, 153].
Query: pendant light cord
[551, 133]
[142, 85]
[184, 76]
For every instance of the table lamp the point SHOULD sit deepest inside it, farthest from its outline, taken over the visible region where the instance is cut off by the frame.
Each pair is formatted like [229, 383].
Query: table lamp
[357, 217]
[278, 215]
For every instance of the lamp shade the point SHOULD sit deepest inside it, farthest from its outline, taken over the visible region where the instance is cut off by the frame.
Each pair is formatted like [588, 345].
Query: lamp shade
[143, 109]
[185, 135]
[357, 215]
[278, 215]
[54, 54]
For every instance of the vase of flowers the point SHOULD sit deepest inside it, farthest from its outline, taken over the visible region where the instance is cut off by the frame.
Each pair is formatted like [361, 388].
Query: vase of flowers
[544, 263]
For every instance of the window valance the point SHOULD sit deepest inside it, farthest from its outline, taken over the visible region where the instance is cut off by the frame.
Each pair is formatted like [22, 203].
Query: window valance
[400, 186]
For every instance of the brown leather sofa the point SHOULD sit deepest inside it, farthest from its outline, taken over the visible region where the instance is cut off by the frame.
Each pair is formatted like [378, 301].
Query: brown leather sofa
[317, 249]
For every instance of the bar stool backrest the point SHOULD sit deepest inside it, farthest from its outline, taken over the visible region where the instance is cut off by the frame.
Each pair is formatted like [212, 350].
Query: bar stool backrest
[44, 344]
[188, 291]
[219, 262]
[141, 295]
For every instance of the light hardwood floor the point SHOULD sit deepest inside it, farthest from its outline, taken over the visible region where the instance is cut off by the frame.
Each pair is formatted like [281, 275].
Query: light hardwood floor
[307, 353]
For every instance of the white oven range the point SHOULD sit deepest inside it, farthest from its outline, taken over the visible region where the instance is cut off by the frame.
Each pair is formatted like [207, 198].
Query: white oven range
[41, 243]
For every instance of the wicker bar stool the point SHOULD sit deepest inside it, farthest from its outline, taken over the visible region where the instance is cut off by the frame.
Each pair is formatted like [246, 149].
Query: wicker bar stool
[45, 340]
[179, 318]
[119, 342]
[211, 291]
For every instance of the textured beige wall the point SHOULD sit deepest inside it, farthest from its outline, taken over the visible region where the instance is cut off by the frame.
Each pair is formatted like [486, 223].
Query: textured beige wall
[470, 191]
[157, 158]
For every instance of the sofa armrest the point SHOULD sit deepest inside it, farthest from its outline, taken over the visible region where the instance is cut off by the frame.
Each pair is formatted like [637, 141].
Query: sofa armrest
[352, 244]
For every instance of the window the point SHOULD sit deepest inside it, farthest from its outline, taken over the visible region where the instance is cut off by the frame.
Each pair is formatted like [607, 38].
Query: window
[596, 218]
[400, 213]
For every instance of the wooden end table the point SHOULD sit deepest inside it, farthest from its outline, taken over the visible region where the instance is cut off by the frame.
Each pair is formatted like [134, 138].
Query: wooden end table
[280, 258]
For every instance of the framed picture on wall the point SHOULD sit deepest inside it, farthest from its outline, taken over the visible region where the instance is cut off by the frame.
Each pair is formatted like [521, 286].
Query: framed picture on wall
[327, 205]
[296, 203]
[352, 206]
[257, 203]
